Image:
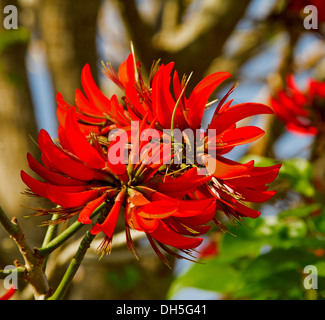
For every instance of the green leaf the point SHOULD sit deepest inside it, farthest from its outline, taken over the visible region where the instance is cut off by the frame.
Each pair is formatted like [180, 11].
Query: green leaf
[259, 161]
[300, 211]
[216, 275]
[320, 265]
[124, 279]
[276, 274]
[298, 172]
[13, 36]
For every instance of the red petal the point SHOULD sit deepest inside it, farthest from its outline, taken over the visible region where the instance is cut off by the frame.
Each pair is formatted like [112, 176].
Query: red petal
[223, 168]
[69, 189]
[64, 142]
[184, 229]
[236, 113]
[289, 104]
[58, 197]
[246, 211]
[85, 106]
[51, 177]
[255, 195]
[147, 225]
[137, 198]
[137, 222]
[203, 218]
[169, 237]
[62, 108]
[200, 95]
[60, 161]
[316, 88]
[189, 208]
[126, 71]
[79, 143]
[237, 137]
[90, 208]
[183, 184]
[69, 200]
[115, 161]
[297, 95]
[118, 112]
[133, 95]
[92, 91]
[162, 100]
[301, 129]
[158, 209]
[109, 224]
[257, 177]
[36, 186]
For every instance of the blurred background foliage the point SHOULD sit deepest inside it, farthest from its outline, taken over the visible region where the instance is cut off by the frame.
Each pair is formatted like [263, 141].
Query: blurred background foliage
[259, 42]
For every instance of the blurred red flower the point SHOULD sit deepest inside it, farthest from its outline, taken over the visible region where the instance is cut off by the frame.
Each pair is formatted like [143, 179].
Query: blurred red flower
[302, 112]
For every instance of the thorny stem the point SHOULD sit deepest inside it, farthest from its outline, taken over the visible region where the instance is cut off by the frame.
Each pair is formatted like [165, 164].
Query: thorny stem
[34, 272]
[8, 225]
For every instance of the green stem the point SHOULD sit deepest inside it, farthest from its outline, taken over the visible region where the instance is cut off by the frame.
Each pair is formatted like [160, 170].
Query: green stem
[176, 105]
[49, 235]
[51, 230]
[76, 262]
[73, 267]
[8, 225]
[18, 270]
[65, 235]
[60, 239]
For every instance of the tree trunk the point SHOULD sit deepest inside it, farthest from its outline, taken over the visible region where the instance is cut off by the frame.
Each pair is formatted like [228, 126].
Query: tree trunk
[68, 29]
[17, 126]
[17, 121]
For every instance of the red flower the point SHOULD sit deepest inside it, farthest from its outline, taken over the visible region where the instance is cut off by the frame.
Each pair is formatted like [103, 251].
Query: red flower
[171, 202]
[302, 112]
[80, 176]
[165, 108]
[228, 176]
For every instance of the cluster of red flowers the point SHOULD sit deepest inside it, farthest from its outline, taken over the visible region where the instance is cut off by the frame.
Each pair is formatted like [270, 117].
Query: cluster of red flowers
[302, 112]
[172, 202]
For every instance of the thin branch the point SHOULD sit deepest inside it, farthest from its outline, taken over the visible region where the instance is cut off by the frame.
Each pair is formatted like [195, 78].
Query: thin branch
[76, 260]
[33, 263]
[19, 271]
[73, 267]
[138, 30]
[8, 225]
[206, 18]
[60, 239]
